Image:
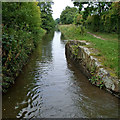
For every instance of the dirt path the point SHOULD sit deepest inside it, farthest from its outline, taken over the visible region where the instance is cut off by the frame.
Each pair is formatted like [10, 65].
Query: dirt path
[96, 36]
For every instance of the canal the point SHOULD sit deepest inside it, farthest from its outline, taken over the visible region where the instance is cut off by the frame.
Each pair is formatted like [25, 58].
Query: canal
[50, 86]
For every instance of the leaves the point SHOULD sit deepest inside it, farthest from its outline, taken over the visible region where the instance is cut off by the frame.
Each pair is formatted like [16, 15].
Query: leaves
[21, 31]
[67, 15]
[105, 18]
[46, 16]
[78, 19]
[96, 80]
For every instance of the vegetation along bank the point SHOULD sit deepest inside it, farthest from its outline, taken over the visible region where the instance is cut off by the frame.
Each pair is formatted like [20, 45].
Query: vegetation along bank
[23, 25]
[97, 19]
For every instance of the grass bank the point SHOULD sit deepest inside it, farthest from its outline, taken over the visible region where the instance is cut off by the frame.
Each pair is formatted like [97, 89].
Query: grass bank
[107, 50]
[106, 36]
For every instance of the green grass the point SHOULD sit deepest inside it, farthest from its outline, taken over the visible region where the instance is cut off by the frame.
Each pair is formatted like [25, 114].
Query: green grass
[106, 36]
[108, 48]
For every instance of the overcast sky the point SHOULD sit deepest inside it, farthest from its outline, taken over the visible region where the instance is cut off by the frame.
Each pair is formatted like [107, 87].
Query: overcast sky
[59, 5]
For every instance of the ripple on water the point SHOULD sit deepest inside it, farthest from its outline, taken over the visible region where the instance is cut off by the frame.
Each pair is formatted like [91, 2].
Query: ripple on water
[50, 86]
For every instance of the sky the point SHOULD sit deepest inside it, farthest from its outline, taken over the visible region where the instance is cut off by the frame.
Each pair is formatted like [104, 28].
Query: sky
[59, 6]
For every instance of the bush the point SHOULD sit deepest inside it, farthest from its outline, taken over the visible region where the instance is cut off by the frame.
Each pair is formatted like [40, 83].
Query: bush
[48, 22]
[110, 19]
[80, 29]
[107, 22]
[78, 19]
[68, 15]
[21, 30]
[93, 22]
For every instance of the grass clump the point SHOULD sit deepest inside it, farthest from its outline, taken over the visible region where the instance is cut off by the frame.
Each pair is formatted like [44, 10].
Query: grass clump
[72, 31]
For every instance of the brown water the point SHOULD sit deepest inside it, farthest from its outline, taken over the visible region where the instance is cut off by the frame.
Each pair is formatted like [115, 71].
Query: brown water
[52, 87]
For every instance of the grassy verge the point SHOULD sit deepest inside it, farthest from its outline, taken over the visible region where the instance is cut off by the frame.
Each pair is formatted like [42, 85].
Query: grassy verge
[108, 48]
[106, 36]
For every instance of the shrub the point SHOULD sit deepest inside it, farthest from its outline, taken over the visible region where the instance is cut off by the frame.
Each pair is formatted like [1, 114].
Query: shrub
[78, 19]
[21, 30]
[93, 22]
[106, 22]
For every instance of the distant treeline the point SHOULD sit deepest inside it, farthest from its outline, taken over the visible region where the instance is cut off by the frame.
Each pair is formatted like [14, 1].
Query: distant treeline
[23, 25]
[97, 16]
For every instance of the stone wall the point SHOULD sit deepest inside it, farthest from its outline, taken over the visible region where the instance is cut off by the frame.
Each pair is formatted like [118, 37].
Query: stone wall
[91, 67]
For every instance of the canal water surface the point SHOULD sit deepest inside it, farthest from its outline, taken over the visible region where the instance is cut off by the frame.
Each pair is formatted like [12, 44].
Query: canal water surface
[50, 86]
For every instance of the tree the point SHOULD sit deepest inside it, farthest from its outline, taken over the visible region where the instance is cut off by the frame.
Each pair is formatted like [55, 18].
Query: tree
[78, 19]
[46, 15]
[57, 21]
[105, 18]
[67, 15]
[92, 7]
[21, 33]
[80, 5]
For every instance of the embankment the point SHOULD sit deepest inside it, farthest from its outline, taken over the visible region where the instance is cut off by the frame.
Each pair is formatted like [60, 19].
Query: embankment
[15, 60]
[21, 33]
[81, 55]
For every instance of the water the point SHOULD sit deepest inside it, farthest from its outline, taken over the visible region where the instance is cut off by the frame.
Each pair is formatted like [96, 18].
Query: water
[52, 87]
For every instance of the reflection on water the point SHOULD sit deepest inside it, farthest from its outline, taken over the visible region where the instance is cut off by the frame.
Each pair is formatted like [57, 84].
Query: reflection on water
[52, 87]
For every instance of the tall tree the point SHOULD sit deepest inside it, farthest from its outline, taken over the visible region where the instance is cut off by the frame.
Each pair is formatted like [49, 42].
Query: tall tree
[57, 21]
[21, 33]
[67, 15]
[92, 7]
[46, 15]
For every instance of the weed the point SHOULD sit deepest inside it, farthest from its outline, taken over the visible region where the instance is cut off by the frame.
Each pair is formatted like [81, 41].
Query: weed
[75, 49]
[96, 80]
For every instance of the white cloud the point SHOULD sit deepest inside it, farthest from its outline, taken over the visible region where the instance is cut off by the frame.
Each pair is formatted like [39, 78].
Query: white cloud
[59, 5]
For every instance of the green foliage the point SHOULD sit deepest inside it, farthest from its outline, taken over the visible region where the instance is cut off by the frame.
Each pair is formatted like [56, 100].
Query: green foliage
[109, 20]
[67, 15]
[80, 30]
[97, 16]
[75, 49]
[48, 22]
[78, 19]
[108, 48]
[96, 80]
[79, 5]
[73, 30]
[100, 16]
[57, 21]
[93, 22]
[105, 21]
[91, 8]
[21, 30]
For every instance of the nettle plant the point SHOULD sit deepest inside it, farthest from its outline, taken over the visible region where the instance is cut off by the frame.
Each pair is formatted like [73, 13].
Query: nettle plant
[96, 80]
